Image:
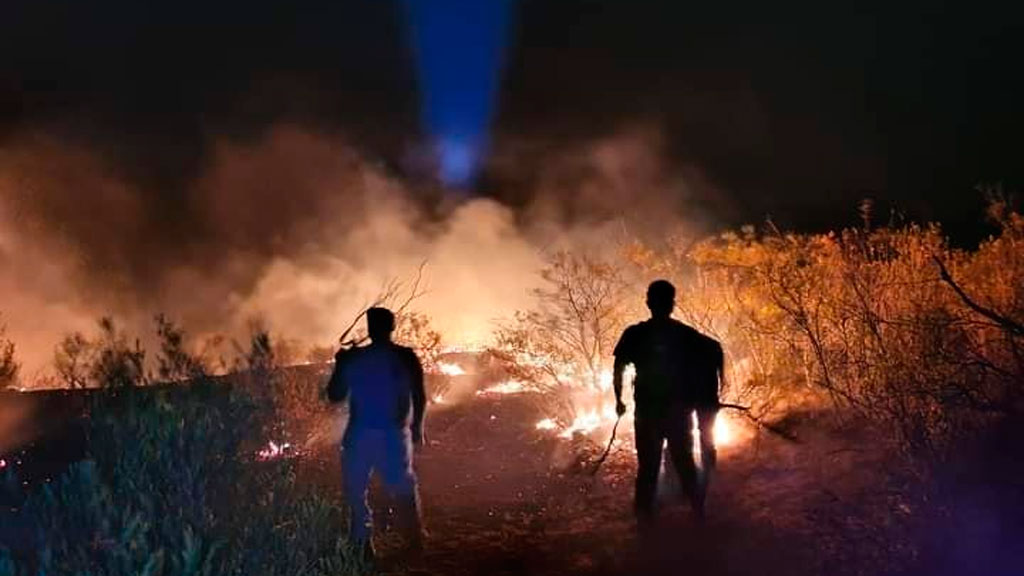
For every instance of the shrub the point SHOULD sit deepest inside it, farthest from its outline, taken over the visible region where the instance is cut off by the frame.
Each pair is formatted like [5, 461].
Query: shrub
[171, 488]
[175, 363]
[107, 361]
[9, 367]
[562, 346]
[881, 321]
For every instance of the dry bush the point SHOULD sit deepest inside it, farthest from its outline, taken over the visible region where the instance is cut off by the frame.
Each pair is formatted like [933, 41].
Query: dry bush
[718, 295]
[412, 328]
[869, 317]
[9, 367]
[174, 362]
[562, 347]
[108, 360]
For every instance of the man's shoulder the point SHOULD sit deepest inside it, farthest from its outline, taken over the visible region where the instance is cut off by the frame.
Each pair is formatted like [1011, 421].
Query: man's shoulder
[634, 331]
[695, 335]
[405, 352]
[344, 354]
[638, 327]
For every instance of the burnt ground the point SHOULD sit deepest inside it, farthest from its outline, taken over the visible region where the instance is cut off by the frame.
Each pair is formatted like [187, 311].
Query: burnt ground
[502, 498]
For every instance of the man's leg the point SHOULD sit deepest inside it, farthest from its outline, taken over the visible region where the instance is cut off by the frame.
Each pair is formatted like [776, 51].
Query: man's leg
[708, 453]
[356, 464]
[649, 439]
[399, 477]
[680, 445]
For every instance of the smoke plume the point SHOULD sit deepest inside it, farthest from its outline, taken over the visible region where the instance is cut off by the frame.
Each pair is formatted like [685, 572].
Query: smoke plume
[301, 230]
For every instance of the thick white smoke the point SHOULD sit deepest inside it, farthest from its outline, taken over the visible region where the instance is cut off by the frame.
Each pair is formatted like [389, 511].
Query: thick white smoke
[300, 230]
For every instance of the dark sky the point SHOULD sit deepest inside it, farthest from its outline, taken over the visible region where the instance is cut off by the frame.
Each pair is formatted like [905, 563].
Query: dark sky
[797, 109]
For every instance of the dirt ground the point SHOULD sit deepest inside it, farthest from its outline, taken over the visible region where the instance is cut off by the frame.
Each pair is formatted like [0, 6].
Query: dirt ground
[502, 498]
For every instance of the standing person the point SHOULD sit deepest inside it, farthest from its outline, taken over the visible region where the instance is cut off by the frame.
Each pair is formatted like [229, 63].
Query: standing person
[678, 373]
[383, 383]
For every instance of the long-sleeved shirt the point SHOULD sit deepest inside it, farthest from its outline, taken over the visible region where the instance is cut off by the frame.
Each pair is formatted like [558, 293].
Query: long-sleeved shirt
[383, 383]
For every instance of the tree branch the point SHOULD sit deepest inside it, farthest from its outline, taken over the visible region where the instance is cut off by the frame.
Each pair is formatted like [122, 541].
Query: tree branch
[1005, 323]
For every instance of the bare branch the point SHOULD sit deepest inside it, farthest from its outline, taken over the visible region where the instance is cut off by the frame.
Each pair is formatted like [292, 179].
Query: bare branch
[1007, 324]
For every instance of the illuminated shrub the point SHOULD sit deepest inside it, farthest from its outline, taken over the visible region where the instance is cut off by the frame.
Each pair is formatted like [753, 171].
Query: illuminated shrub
[171, 488]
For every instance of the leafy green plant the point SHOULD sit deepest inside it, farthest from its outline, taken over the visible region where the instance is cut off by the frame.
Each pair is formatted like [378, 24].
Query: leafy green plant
[171, 488]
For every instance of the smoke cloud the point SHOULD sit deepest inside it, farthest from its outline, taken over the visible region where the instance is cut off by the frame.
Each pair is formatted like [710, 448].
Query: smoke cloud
[301, 230]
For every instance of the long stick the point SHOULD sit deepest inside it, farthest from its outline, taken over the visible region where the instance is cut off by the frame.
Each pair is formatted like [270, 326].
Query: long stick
[785, 435]
[608, 449]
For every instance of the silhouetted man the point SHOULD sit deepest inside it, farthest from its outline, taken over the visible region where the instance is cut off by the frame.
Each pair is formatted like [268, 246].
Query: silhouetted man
[383, 383]
[678, 372]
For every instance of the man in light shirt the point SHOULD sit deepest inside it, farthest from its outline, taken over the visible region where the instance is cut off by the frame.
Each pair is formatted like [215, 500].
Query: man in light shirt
[383, 383]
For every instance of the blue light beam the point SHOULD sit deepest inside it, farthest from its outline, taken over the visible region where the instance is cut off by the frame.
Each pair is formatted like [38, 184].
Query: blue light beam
[459, 47]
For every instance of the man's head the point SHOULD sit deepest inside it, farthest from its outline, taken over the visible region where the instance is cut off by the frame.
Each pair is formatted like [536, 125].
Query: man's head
[661, 298]
[380, 323]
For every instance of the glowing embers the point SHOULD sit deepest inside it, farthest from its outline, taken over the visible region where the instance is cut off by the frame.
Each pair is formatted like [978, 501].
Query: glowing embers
[506, 387]
[450, 369]
[723, 431]
[547, 424]
[587, 422]
[275, 451]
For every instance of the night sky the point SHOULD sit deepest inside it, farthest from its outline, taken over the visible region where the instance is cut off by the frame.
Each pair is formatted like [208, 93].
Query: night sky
[795, 109]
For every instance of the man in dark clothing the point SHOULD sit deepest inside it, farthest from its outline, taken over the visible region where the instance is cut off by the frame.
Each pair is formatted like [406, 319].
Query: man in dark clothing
[383, 383]
[678, 373]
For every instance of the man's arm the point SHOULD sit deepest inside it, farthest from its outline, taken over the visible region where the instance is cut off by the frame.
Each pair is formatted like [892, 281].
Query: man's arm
[419, 397]
[722, 383]
[337, 386]
[623, 356]
[620, 367]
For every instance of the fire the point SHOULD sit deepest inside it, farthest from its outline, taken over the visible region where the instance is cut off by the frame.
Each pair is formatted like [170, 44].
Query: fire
[547, 424]
[724, 434]
[450, 369]
[588, 421]
[722, 431]
[274, 450]
[506, 387]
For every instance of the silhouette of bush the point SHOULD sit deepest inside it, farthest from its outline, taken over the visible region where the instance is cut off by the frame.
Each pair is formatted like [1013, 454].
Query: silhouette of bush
[174, 362]
[171, 487]
[106, 361]
[9, 367]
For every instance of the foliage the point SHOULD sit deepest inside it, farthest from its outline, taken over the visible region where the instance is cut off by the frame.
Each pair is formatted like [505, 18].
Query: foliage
[563, 345]
[413, 329]
[868, 317]
[106, 361]
[72, 360]
[174, 362]
[118, 363]
[9, 367]
[171, 489]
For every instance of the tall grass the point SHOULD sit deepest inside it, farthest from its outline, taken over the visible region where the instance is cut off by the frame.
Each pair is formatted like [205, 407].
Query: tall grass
[171, 487]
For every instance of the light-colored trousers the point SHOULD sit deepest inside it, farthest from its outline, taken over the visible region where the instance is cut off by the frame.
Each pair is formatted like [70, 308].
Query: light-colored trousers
[388, 452]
